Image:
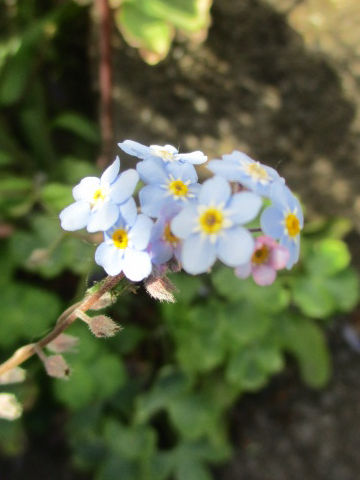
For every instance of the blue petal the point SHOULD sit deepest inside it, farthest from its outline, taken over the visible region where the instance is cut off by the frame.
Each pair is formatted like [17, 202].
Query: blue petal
[198, 254]
[151, 172]
[128, 211]
[183, 172]
[294, 250]
[103, 218]
[139, 235]
[235, 247]
[228, 170]
[110, 258]
[161, 252]
[238, 157]
[86, 188]
[286, 200]
[136, 149]
[272, 222]
[124, 186]
[184, 223]
[137, 265]
[75, 216]
[196, 158]
[281, 195]
[244, 207]
[214, 191]
[152, 199]
[111, 172]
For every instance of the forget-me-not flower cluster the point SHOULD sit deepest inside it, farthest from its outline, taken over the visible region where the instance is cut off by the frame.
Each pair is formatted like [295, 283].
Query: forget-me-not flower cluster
[178, 220]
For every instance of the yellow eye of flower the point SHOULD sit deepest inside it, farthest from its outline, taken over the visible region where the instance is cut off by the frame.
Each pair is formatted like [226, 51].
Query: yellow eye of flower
[257, 172]
[98, 198]
[163, 153]
[98, 195]
[292, 225]
[168, 236]
[120, 238]
[178, 188]
[211, 221]
[260, 255]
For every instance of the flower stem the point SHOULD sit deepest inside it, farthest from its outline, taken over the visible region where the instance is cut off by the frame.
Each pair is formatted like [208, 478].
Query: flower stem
[63, 322]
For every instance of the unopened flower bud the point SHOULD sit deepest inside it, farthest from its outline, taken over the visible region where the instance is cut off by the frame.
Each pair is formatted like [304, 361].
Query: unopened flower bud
[105, 301]
[38, 257]
[10, 408]
[15, 375]
[56, 366]
[63, 343]
[103, 326]
[160, 288]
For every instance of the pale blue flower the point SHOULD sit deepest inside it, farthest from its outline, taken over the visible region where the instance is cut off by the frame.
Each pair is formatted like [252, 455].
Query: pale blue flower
[239, 167]
[284, 221]
[212, 229]
[166, 184]
[166, 153]
[124, 249]
[163, 243]
[99, 201]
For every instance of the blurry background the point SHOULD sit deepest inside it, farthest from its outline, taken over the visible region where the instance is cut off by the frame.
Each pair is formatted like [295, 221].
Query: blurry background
[234, 381]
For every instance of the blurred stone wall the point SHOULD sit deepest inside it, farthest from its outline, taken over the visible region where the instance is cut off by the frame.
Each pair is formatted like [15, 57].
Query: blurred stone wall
[278, 79]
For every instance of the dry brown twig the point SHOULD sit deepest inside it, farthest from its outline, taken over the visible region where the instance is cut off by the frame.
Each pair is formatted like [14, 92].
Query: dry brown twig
[64, 321]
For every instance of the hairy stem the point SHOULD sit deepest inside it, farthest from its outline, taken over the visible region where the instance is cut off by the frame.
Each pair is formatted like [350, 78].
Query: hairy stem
[63, 322]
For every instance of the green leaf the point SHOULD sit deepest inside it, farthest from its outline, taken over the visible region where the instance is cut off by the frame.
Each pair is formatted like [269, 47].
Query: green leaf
[188, 15]
[189, 287]
[56, 196]
[246, 370]
[270, 299]
[199, 333]
[48, 250]
[244, 324]
[306, 341]
[16, 196]
[169, 385]
[88, 383]
[151, 35]
[190, 469]
[79, 390]
[27, 313]
[193, 415]
[15, 76]
[78, 125]
[74, 169]
[313, 297]
[345, 289]
[328, 257]
[130, 443]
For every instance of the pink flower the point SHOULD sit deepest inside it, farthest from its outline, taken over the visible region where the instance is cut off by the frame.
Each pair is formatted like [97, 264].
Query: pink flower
[268, 257]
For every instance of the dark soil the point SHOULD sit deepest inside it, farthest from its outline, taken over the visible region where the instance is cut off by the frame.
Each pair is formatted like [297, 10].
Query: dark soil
[290, 432]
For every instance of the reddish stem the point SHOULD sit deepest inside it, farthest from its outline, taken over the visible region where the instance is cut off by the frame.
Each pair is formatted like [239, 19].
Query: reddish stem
[105, 82]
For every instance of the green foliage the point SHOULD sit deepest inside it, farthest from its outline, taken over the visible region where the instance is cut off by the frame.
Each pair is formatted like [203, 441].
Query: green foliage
[327, 284]
[153, 402]
[150, 25]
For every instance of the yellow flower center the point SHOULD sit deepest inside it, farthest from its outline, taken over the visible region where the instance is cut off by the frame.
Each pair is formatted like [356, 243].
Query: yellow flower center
[211, 221]
[98, 197]
[178, 188]
[260, 255]
[120, 238]
[168, 236]
[163, 153]
[257, 172]
[292, 225]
